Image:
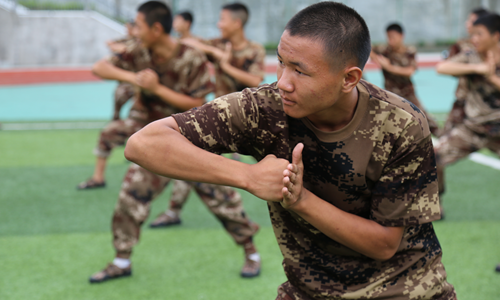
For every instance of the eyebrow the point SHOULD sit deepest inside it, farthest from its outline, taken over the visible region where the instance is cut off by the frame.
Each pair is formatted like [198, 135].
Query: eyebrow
[298, 64]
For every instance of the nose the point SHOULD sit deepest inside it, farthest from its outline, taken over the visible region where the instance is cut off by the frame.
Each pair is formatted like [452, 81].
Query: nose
[284, 80]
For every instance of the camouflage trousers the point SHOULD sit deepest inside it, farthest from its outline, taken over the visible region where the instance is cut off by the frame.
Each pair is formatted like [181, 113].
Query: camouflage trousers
[459, 142]
[117, 132]
[123, 92]
[455, 117]
[140, 187]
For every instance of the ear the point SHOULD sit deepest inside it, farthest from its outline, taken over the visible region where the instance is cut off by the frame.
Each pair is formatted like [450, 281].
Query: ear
[496, 36]
[157, 29]
[352, 77]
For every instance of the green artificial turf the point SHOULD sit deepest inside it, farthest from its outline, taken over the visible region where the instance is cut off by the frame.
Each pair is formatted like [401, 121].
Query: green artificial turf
[52, 237]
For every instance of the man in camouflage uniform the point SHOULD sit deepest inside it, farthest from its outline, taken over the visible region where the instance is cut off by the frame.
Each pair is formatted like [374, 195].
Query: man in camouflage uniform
[124, 91]
[457, 113]
[347, 168]
[239, 63]
[398, 64]
[481, 68]
[172, 77]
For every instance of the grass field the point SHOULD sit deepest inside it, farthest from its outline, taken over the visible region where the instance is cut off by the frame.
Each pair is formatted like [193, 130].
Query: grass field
[53, 237]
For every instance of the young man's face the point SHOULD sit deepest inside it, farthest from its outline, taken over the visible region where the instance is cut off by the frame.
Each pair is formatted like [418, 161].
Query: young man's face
[142, 31]
[307, 82]
[394, 39]
[181, 25]
[227, 24]
[469, 23]
[482, 39]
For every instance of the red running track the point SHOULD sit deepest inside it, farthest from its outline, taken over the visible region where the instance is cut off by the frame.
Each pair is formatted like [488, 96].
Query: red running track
[60, 75]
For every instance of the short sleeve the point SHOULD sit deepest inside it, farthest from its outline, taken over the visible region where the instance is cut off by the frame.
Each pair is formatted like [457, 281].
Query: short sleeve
[461, 57]
[407, 192]
[257, 67]
[195, 77]
[135, 58]
[412, 57]
[219, 126]
[250, 122]
[378, 49]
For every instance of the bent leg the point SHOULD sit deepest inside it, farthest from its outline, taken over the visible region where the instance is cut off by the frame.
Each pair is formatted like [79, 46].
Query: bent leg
[226, 204]
[139, 188]
[123, 92]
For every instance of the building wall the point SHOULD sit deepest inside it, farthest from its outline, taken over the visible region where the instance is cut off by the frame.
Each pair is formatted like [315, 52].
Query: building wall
[29, 38]
[54, 38]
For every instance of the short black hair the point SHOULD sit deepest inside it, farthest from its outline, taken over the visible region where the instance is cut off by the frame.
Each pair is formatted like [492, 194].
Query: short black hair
[340, 28]
[156, 11]
[187, 16]
[395, 27]
[239, 11]
[479, 12]
[490, 21]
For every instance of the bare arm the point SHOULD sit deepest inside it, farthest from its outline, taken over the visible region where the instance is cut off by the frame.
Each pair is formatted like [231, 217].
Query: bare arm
[148, 79]
[362, 235]
[458, 69]
[241, 76]
[106, 70]
[160, 148]
[385, 64]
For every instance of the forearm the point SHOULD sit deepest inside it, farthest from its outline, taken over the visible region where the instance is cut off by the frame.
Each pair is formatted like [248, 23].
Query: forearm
[160, 148]
[361, 235]
[241, 76]
[456, 69]
[106, 70]
[181, 101]
[401, 71]
[495, 80]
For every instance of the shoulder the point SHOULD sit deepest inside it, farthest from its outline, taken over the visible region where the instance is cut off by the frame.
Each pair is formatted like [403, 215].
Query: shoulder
[395, 113]
[190, 55]
[379, 48]
[266, 97]
[256, 46]
[411, 50]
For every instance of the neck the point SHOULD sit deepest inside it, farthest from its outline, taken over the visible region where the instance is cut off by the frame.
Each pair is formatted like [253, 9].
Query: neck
[165, 46]
[185, 34]
[398, 48]
[238, 40]
[337, 116]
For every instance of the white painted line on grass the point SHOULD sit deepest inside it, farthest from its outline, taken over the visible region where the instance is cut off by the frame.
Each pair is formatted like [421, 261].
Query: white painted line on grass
[485, 160]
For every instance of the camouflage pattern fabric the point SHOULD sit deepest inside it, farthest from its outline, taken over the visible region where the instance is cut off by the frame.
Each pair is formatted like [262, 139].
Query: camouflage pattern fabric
[249, 59]
[140, 187]
[402, 85]
[457, 113]
[117, 132]
[381, 167]
[123, 92]
[186, 73]
[460, 141]
[482, 101]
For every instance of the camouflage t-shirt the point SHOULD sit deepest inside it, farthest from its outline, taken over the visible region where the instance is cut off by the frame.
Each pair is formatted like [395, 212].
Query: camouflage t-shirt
[399, 85]
[381, 167]
[482, 101]
[249, 59]
[463, 45]
[186, 72]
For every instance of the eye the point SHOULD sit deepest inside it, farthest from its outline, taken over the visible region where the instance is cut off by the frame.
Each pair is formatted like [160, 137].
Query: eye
[280, 61]
[298, 72]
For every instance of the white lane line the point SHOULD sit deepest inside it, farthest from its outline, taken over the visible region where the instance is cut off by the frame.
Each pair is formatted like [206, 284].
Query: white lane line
[485, 160]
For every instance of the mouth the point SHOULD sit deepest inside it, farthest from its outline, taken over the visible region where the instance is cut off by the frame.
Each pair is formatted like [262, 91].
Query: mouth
[286, 101]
